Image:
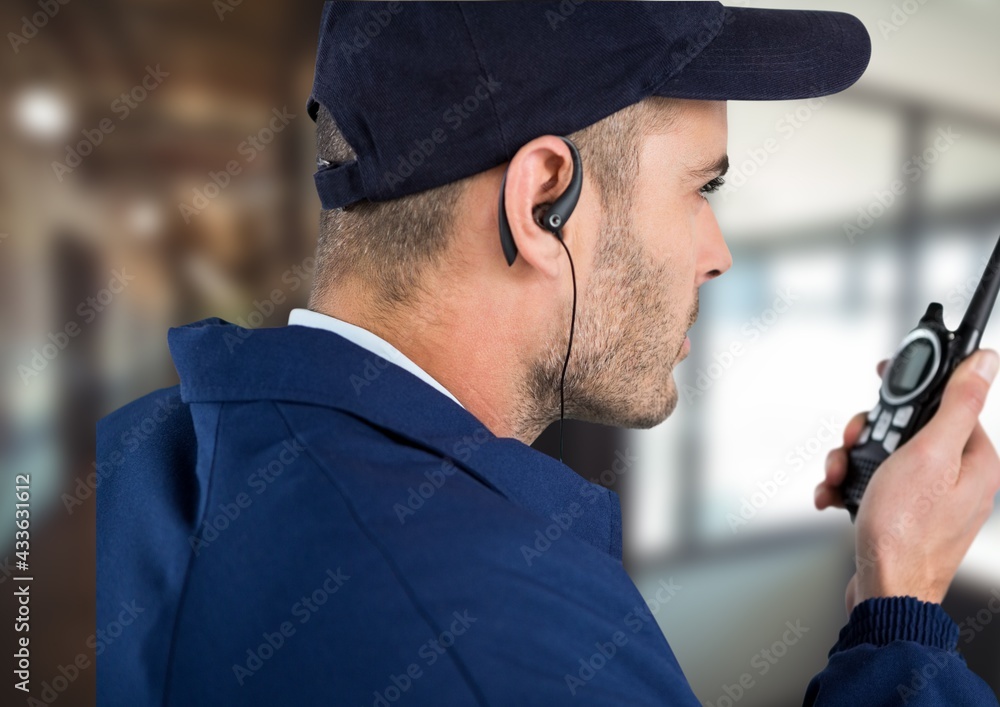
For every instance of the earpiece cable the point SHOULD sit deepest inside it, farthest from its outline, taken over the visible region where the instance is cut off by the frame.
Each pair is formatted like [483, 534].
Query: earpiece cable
[569, 348]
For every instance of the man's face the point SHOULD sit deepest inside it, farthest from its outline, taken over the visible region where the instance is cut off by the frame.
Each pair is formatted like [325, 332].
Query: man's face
[652, 255]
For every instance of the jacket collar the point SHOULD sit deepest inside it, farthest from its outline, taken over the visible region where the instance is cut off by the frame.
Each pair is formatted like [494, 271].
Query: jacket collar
[219, 362]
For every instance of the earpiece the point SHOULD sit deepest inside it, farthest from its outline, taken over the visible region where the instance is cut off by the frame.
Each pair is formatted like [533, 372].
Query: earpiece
[553, 220]
[556, 216]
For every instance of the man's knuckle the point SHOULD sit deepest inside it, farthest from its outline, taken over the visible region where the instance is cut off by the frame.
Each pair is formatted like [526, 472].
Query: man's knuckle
[924, 448]
[973, 396]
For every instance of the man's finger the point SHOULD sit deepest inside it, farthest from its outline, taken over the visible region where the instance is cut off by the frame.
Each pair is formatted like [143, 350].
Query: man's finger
[827, 496]
[853, 429]
[880, 367]
[836, 466]
[963, 400]
[827, 492]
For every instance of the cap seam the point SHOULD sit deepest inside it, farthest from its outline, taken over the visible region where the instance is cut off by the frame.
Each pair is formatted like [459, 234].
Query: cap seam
[485, 72]
[661, 78]
[810, 48]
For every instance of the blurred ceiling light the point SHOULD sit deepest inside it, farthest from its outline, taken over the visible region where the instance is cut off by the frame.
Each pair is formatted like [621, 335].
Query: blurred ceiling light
[42, 113]
[145, 219]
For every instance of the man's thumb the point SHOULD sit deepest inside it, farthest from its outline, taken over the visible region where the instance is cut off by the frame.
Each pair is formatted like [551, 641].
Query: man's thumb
[963, 401]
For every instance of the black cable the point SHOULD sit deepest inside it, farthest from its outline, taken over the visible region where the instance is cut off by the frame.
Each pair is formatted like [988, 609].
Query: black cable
[569, 348]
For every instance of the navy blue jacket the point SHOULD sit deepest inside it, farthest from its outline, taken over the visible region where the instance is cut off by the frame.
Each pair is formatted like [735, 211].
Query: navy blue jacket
[301, 522]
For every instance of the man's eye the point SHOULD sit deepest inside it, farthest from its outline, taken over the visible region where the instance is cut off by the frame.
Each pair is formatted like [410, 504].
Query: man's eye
[713, 186]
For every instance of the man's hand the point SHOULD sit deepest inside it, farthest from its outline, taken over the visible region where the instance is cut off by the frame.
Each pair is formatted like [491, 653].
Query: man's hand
[926, 503]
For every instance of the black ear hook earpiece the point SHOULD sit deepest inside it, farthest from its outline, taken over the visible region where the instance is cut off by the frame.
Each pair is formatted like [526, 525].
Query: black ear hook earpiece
[556, 216]
[553, 220]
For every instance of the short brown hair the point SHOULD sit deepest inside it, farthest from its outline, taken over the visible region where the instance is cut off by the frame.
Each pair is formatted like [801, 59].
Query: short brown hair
[388, 244]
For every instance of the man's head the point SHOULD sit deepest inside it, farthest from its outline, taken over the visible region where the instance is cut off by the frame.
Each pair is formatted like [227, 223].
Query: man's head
[643, 239]
[436, 101]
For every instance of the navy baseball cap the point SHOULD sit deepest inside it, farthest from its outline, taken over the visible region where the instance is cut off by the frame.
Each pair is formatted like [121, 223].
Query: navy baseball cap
[427, 93]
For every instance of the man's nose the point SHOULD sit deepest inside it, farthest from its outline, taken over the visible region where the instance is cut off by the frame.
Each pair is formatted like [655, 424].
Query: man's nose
[714, 257]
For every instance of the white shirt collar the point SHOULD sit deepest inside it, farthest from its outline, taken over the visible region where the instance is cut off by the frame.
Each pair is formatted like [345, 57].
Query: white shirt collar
[366, 340]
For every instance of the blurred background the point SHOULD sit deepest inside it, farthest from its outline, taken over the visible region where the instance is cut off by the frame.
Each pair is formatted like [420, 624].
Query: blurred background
[115, 114]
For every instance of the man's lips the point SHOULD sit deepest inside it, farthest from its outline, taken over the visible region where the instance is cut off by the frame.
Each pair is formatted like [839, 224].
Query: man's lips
[684, 350]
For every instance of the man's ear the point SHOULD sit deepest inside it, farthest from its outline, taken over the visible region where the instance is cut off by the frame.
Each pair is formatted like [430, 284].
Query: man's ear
[538, 174]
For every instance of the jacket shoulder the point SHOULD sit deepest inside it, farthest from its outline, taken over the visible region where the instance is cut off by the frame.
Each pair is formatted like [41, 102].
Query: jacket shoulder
[151, 415]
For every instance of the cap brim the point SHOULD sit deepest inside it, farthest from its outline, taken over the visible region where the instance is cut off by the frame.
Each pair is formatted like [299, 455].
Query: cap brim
[762, 55]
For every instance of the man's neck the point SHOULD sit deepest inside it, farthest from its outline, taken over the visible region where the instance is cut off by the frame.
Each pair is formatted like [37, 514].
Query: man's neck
[468, 356]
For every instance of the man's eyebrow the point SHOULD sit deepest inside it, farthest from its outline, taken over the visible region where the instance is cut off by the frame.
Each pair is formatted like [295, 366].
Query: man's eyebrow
[716, 169]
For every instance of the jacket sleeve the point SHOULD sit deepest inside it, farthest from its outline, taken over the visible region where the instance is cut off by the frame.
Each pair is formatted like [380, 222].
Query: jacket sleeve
[898, 651]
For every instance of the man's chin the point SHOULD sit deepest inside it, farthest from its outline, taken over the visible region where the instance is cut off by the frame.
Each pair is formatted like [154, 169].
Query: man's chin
[654, 406]
[662, 406]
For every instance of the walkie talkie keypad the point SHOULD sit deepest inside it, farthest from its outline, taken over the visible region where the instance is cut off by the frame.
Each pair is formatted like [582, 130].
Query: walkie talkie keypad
[902, 416]
[891, 441]
[882, 426]
[888, 428]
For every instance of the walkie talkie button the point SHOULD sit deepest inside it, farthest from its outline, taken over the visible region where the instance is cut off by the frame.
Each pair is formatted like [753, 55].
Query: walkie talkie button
[882, 426]
[874, 412]
[902, 417]
[891, 441]
[865, 434]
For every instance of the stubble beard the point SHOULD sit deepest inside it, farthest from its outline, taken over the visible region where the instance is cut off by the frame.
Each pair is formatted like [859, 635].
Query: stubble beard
[626, 342]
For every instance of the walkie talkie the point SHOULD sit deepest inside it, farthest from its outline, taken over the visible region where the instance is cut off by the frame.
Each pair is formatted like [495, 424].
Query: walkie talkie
[914, 381]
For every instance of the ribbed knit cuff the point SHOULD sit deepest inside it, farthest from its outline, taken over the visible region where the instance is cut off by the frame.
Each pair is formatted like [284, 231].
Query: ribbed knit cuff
[881, 620]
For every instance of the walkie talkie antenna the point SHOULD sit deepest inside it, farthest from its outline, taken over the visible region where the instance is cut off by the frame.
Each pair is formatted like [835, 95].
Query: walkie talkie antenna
[978, 313]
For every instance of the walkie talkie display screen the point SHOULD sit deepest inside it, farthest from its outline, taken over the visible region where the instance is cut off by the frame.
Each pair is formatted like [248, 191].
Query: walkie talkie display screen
[910, 367]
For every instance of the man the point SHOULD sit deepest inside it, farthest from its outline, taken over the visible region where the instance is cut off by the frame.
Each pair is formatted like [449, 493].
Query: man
[346, 510]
